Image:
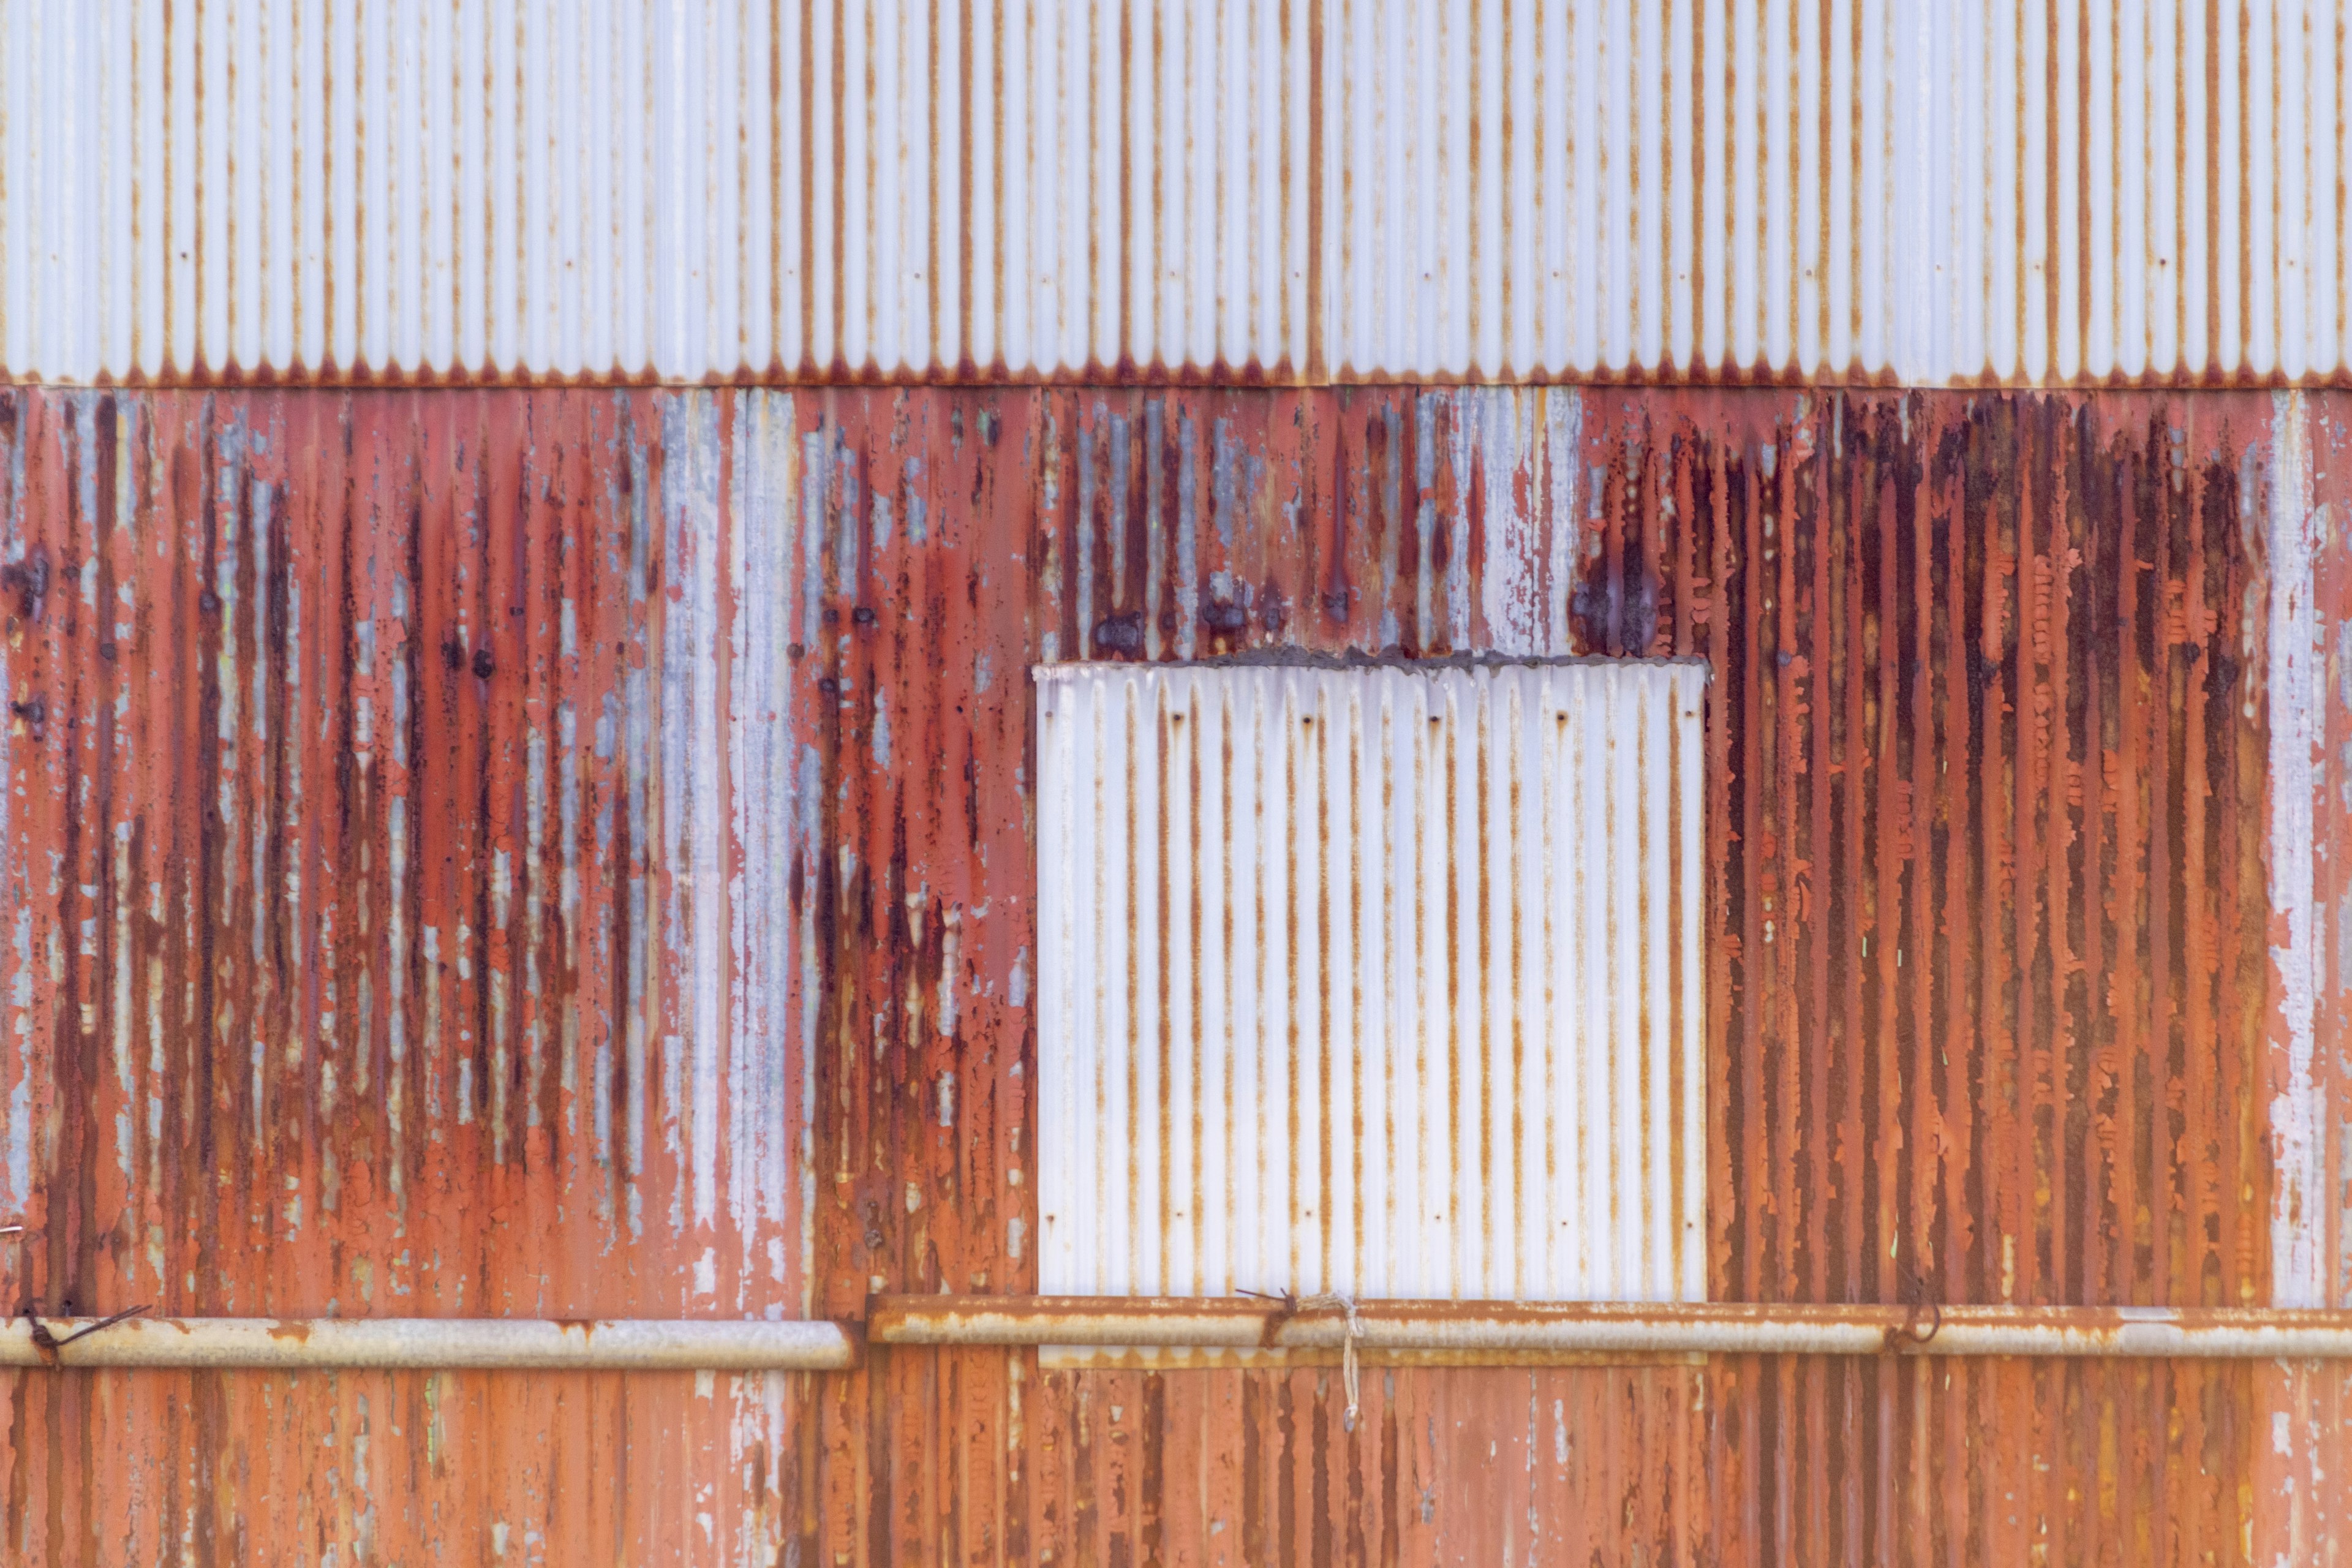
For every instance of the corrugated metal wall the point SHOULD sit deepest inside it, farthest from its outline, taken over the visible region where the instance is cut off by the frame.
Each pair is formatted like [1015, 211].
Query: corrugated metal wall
[2076, 192]
[1385, 982]
[2002, 751]
[399, 821]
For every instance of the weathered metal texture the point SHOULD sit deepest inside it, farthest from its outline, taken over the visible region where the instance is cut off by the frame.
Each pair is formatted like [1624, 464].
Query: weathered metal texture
[1379, 981]
[320, 190]
[1904, 1463]
[1975, 1108]
[2074, 191]
[2081, 191]
[401, 823]
[1990, 1014]
[1500, 1330]
[1993, 692]
[2308, 1452]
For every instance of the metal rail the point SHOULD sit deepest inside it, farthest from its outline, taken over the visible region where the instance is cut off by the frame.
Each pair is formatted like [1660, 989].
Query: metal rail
[1492, 1332]
[546, 1344]
[1502, 1330]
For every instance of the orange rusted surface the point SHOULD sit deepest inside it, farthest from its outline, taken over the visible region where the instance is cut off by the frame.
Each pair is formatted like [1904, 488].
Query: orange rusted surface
[745, 1028]
[358, 928]
[1649, 1464]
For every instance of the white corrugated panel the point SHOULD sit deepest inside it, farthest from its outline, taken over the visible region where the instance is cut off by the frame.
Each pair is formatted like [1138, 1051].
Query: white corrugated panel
[705, 188]
[1382, 979]
[2076, 190]
[2081, 191]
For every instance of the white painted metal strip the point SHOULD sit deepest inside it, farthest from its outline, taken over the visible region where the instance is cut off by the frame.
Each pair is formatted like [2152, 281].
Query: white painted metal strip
[746, 189]
[433, 1344]
[1382, 980]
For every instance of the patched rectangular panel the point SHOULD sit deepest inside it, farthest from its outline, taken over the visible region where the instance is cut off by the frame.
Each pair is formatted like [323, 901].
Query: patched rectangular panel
[1376, 979]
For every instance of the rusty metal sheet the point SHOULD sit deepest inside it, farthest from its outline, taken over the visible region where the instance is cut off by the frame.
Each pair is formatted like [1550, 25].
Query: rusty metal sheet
[401, 820]
[1993, 996]
[1897, 1464]
[2088, 192]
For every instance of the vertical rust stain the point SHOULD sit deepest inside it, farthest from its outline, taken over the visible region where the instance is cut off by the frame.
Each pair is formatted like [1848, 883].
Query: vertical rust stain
[1318, 741]
[2085, 234]
[1123, 352]
[1825, 137]
[1317, 178]
[869, 111]
[2053, 141]
[2245, 188]
[837, 178]
[2177, 250]
[1701, 143]
[1164, 1047]
[1752, 894]
[198, 359]
[294, 216]
[1157, 293]
[1473, 174]
[777, 217]
[2214, 187]
[808, 192]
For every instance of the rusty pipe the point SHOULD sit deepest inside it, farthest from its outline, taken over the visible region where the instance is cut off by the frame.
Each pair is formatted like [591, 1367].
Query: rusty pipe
[546, 1344]
[1503, 1329]
[1500, 1331]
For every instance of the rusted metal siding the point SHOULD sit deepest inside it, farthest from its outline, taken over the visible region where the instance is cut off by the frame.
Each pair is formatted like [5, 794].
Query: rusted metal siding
[1994, 1462]
[2306, 1455]
[1381, 981]
[1996, 766]
[402, 817]
[2078, 191]
[1993, 689]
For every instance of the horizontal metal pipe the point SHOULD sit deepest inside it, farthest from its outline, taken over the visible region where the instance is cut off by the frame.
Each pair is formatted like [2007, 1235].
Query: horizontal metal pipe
[1503, 1329]
[1500, 1330]
[619, 1345]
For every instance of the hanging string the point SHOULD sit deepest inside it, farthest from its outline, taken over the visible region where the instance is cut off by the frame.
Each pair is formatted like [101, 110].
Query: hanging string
[1341, 1301]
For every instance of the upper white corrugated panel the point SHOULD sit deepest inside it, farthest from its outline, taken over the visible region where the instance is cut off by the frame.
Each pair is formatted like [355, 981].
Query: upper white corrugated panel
[2084, 190]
